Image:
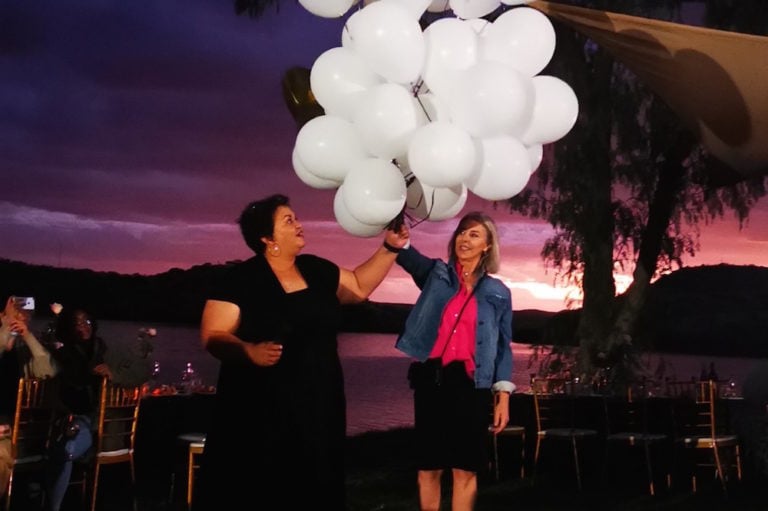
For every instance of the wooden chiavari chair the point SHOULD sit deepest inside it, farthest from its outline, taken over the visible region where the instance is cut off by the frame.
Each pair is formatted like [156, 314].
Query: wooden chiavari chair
[555, 420]
[115, 431]
[31, 429]
[627, 427]
[702, 426]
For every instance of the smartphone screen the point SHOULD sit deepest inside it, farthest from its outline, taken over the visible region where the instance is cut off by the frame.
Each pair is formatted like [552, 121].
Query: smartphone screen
[24, 303]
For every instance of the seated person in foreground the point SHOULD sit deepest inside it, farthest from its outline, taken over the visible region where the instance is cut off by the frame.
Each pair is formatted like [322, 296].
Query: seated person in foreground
[21, 354]
[81, 366]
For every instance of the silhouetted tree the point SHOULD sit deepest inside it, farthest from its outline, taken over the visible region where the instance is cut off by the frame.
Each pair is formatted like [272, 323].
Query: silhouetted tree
[627, 188]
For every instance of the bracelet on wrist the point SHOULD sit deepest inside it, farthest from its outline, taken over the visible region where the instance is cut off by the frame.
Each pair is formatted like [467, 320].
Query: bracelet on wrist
[394, 250]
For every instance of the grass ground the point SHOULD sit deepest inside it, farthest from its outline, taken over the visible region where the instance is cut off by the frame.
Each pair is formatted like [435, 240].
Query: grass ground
[380, 478]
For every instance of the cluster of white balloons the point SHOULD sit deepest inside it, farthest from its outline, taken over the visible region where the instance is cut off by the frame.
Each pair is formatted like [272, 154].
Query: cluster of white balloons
[415, 119]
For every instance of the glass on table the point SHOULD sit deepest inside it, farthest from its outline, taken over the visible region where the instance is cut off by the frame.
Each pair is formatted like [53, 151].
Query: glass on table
[730, 388]
[190, 380]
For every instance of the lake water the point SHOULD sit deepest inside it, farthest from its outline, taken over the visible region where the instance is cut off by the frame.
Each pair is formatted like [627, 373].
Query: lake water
[378, 397]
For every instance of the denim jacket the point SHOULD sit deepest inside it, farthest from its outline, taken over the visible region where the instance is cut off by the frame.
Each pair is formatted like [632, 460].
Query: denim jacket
[439, 282]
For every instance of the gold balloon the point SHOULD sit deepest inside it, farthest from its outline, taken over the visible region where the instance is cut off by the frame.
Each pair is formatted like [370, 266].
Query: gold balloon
[298, 96]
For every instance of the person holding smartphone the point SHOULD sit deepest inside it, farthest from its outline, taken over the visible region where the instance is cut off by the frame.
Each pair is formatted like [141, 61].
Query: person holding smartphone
[21, 354]
[20, 351]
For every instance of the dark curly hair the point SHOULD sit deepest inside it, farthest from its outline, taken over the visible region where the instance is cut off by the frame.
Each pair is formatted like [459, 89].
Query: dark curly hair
[258, 221]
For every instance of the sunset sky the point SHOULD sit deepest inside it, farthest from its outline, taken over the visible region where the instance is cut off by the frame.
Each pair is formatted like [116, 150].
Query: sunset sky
[133, 133]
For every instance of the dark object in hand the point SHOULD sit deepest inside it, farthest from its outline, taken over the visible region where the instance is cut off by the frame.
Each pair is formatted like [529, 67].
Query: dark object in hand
[397, 223]
[67, 427]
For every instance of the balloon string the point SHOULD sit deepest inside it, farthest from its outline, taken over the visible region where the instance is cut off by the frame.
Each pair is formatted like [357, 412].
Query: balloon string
[396, 223]
[420, 102]
[416, 87]
[429, 212]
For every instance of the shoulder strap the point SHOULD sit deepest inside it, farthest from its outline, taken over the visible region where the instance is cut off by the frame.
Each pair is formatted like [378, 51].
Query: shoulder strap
[458, 317]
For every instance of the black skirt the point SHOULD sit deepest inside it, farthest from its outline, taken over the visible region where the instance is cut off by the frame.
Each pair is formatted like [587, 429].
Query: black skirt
[451, 422]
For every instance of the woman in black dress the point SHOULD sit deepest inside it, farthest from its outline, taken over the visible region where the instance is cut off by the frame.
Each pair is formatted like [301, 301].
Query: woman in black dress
[277, 436]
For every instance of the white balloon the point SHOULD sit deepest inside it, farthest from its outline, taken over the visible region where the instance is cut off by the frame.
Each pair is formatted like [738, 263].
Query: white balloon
[451, 47]
[468, 9]
[491, 99]
[327, 145]
[307, 177]
[502, 170]
[387, 37]
[435, 204]
[515, 2]
[350, 223]
[555, 111]
[374, 191]
[523, 38]
[386, 120]
[339, 79]
[441, 154]
[536, 153]
[416, 8]
[346, 38]
[327, 8]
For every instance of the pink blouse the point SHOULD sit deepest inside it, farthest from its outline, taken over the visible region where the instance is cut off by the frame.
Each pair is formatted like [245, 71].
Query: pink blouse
[456, 340]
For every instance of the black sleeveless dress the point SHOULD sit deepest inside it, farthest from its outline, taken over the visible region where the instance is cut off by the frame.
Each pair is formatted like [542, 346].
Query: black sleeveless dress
[277, 437]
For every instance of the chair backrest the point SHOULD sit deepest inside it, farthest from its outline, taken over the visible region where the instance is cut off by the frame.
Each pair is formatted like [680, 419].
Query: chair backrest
[701, 416]
[710, 408]
[684, 389]
[623, 412]
[628, 411]
[553, 406]
[32, 421]
[117, 418]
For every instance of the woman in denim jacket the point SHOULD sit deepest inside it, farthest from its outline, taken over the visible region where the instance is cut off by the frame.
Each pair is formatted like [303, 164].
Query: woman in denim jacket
[462, 322]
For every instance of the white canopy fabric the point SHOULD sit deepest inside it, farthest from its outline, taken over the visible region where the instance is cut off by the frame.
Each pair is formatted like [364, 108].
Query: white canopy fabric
[716, 81]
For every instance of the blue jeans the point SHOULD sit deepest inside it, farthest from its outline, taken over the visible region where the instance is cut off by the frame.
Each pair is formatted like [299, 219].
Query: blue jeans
[62, 455]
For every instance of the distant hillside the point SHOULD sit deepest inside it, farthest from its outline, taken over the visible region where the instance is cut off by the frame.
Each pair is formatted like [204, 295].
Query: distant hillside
[176, 296]
[717, 310]
[712, 310]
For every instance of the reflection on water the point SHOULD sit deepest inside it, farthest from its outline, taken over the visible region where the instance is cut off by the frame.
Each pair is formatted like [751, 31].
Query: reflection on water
[378, 397]
[174, 346]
